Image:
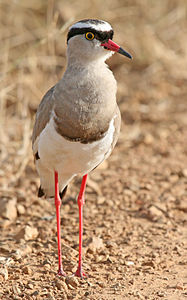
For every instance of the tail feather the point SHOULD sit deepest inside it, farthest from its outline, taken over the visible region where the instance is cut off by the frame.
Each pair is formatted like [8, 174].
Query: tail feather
[62, 194]
[47, 182]
[40, 192]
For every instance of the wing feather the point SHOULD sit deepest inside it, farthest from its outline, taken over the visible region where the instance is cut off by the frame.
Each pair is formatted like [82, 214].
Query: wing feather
[42, 116]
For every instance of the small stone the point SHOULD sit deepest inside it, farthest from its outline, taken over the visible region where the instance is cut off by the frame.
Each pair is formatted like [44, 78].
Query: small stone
[110, 244]
[61, 285]
[50, 297]
[179, 286]
[129, 263]
[17, 254]
[30, 286]
[22, 251]
[5, 249]
[139, 295]
[148, 139]
[16, 289]
[148, 264]
[27, 233]
[20, 209]
[184, 172]
[96, 243]
[6, 260]
[101, 200]
[35, 293]
[155, 213]
[27, 270]
[47, 266]
[128, 192]
[160, 294]
[46, 262]
[101, 284]
[174, 178]
[8, 209]
[72, 281]
[66, 208]
[4, 272]
[98, 259]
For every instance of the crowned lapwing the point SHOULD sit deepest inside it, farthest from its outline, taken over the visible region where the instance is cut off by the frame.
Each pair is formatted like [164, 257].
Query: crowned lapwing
[78, 120]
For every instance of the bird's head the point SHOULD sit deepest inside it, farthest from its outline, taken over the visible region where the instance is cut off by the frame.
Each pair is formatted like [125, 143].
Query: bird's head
[91, 39]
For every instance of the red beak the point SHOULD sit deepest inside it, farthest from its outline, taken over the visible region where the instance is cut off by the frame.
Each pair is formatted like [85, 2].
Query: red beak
[110, 45]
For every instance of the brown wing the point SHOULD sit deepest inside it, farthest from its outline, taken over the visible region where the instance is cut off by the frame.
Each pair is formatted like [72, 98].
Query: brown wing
[43, 114]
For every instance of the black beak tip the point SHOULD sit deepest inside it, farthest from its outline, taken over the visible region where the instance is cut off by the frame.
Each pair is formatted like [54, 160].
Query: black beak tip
[125, 53]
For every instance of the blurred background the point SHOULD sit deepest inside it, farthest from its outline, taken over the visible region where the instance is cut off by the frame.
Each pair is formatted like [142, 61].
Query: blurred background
[33, 57]
[148, 163]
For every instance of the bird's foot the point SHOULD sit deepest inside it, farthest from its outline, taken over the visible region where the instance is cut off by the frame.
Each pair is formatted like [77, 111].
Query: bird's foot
[61, 272]
[80, 273]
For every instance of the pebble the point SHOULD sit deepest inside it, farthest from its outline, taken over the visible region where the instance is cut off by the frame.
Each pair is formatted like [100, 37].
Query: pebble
[95, 244]
[129, 263]
[20, 209]
[184, 172]
[49, 296]
[155, 212]
[148, 264]
[101, 200]
[72, 281]
[174, 178]
[148, 139]
[4, 272]
[5, 249]
[17, 255]
[101, 284]
[16, 289]
[35, 293]
[27, 233]
[22, 251]
[61, 285]
[27, 270]
[179, 286]
[47, 266]
[6, 260]
[8, 209]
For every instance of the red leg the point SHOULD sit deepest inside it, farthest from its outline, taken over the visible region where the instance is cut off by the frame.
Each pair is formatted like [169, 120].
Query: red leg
[58, 204]
[80, 201]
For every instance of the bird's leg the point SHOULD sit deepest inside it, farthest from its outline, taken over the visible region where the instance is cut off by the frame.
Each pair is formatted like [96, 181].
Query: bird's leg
[58, 204]
[80, 201]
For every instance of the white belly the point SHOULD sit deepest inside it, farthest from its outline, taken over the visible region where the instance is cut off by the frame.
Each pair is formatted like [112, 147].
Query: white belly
[68, 158]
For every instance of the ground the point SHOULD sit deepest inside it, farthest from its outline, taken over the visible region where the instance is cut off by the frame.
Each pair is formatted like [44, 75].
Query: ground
[135, 204]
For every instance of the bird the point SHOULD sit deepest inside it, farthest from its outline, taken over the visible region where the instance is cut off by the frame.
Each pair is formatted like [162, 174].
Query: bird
[78, 120]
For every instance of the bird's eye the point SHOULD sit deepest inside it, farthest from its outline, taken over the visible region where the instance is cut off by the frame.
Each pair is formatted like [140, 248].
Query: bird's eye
[89, 36]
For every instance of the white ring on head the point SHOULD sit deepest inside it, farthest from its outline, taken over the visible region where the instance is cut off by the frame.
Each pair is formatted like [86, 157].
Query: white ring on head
[100, 26]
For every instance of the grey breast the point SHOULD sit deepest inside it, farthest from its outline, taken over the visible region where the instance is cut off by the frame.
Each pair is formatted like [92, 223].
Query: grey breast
[83, 111]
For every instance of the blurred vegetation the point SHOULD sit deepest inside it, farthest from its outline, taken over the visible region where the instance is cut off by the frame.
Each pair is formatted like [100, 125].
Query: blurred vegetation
[32, 59]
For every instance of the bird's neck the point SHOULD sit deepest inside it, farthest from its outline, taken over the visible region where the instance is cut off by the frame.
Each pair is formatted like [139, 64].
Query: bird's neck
[78, 63]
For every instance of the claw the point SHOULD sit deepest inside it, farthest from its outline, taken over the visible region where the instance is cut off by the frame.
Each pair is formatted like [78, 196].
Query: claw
[80, 273]
[61, 272]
